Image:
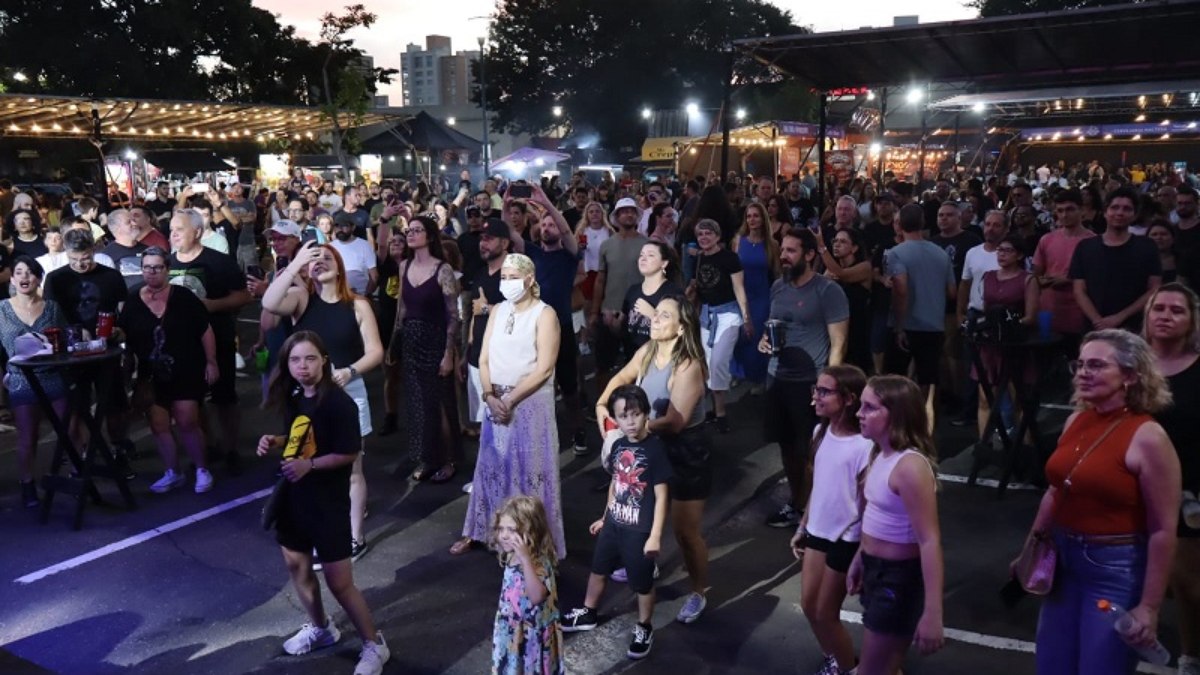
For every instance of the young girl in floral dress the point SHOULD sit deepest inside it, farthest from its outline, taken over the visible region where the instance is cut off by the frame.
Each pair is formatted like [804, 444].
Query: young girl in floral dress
[527, 638]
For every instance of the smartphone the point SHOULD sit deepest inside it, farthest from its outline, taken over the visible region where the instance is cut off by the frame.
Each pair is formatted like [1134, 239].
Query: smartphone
[199, 188]
[281, 262]
[255, 271]
[520, 191]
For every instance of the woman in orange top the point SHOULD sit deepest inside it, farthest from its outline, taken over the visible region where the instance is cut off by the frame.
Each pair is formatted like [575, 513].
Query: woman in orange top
[1112, 508]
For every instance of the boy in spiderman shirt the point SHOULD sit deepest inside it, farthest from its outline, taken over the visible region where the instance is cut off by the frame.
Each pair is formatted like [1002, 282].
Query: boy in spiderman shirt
[631, 529]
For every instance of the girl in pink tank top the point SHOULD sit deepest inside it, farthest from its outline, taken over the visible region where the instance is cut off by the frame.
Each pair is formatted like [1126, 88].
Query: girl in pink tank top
[898, 571]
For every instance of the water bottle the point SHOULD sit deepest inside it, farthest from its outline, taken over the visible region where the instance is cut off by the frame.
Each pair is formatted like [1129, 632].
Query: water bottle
[1124, 625]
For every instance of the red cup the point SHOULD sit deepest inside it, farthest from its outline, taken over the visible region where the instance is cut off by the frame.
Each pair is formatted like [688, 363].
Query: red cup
[58, 339]
[104, 324]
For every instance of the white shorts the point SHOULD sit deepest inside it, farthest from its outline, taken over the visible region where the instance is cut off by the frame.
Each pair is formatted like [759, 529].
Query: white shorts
[357, 390]
[719, 356]
[474, 392]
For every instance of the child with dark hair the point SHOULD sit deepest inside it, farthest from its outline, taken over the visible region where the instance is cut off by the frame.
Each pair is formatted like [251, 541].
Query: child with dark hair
[631, 529]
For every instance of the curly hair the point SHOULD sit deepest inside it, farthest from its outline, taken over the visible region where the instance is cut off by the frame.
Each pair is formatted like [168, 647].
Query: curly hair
[1149, 392]
[530, 517]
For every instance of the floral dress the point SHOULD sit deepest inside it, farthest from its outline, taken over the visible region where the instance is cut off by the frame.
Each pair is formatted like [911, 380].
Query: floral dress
[527, 638]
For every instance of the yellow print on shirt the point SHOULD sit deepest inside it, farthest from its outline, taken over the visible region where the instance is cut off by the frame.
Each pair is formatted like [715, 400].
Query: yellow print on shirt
[300, 442]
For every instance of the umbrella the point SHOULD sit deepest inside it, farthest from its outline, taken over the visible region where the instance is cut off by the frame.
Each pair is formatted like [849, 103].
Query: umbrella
[528, 156]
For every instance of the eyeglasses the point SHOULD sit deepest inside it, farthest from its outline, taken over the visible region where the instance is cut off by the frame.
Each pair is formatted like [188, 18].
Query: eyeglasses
[1088, 366]
[822, 392]
[153, 268]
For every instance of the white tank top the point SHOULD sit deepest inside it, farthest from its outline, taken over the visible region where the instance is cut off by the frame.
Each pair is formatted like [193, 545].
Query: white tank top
[833, 506]
[885, 517]
[513, 354]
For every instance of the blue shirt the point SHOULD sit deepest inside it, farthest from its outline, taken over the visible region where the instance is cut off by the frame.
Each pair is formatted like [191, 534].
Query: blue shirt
[556, 277]
[930, 271]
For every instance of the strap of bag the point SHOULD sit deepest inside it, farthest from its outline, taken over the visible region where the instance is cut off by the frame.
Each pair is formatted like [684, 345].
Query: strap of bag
[1066, 481]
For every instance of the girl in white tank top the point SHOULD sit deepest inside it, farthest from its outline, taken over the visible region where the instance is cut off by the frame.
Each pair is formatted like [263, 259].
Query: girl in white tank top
[898, 571]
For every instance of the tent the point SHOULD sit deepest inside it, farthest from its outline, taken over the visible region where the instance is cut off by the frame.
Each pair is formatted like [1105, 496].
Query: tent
[518, 160]
[424, 133]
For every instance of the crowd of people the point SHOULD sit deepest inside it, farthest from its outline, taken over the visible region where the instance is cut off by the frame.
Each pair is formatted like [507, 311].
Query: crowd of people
[851, 320]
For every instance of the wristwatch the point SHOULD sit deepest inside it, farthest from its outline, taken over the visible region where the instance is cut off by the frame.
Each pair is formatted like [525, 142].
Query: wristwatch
[352, 370]
[484, 396]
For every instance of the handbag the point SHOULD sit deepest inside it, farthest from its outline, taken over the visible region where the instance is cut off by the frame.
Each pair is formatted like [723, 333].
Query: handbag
[1039, 556]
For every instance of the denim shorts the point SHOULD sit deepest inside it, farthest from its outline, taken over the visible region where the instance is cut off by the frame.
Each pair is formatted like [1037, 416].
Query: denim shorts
[893, 595]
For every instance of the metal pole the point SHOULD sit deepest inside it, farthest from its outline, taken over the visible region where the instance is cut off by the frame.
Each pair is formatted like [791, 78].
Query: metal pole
[774, 157]
[725, 100]
[487, 148]
[954, 168]
[824, 103]
[921, 150]
[882, 135]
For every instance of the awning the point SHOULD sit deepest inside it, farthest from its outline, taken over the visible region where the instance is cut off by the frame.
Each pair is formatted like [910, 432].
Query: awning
[423, 132]
[187, 161]
[662, 149]
[41, 116]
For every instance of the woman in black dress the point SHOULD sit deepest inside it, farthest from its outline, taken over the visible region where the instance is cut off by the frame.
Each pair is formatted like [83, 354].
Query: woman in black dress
[1172, 327]
[846, 263]
[166, 328]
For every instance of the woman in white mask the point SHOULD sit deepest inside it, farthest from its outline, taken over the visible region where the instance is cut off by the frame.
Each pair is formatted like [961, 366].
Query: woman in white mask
[518, 444]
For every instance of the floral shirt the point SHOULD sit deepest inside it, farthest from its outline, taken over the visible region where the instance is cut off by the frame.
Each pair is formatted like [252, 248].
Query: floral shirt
[527, 638]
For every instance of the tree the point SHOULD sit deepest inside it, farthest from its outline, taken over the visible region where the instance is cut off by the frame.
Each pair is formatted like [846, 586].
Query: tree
[1008, 7]
[603, 61]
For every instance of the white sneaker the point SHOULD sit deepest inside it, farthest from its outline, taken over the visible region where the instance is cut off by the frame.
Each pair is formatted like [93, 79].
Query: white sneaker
[467, 487]
[239, 362]
[692, 608]
[372, 657]
[168, 482]
[312, 637]
[204, 481]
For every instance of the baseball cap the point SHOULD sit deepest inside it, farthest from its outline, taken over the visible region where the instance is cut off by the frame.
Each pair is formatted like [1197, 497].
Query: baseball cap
[494, 227]
[287, 228]
[473, 211]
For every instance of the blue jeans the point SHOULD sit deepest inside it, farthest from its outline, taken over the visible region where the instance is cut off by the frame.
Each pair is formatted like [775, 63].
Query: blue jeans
[1073, 637]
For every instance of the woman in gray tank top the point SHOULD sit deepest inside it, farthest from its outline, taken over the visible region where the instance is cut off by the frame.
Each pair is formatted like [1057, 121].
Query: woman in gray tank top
[671, 369]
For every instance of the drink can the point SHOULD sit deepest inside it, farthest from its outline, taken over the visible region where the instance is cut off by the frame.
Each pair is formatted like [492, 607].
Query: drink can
[57, 338]
[104, 324]
[775, 333]
[583, 241]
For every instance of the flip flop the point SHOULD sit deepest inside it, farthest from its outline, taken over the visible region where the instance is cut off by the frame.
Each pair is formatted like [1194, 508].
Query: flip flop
[461, 546]
[443, 474]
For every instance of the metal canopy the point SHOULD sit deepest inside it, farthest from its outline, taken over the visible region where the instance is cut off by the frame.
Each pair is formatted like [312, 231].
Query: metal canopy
[1079, 47]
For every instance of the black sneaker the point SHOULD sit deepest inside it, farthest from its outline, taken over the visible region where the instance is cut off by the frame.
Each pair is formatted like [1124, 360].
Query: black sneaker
[357, 549]
[579, 619]
[722, 424]
[581, 447]
[29, 495]
[643, 637]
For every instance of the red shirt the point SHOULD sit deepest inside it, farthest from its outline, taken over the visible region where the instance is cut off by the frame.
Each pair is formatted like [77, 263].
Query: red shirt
[1104, 497]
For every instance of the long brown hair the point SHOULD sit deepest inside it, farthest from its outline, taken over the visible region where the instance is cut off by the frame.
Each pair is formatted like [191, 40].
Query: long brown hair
[768, 237]
[850, 383]
[344, 294]
[908, 423]
[688, 347]
[530, 517]
[282, 388]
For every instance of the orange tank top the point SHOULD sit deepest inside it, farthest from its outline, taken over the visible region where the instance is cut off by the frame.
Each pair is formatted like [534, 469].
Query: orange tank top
[1103, 497]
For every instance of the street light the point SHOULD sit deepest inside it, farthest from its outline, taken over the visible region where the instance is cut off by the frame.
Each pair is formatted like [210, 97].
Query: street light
[646, 113]
[130, 155]
[487, 159]
[979, 107]
[556, 111]
[741, 114]
[692, 109]
[914, 95]
[876, 148]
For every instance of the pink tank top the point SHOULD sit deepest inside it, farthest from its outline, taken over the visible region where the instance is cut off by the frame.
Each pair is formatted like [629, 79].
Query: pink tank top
[885, 517]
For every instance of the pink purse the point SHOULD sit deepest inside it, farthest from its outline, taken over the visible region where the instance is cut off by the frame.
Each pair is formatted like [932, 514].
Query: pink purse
[1039, 556]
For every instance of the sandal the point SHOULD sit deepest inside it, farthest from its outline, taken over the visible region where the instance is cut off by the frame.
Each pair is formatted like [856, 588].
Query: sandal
[422, 473]
[443, 474]
[461, 546]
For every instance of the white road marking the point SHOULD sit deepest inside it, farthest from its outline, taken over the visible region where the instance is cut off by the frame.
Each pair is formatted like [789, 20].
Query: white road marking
[986, 482]
[1002, 643]
[140, 538]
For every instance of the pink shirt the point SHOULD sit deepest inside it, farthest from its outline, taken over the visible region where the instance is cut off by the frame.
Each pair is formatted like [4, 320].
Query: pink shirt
[1053, 255]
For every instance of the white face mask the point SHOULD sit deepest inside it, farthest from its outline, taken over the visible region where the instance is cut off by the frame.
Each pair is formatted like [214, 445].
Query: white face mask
[512, 289]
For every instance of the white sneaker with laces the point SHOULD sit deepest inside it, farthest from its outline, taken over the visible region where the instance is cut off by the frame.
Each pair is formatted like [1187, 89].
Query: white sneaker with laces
[374, 654]
[692, 608]
[204, 481]
[169, 481]
[312, 637]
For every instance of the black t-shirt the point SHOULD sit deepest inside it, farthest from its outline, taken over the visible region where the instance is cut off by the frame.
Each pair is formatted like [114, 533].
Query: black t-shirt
[556, 277]
[956, 247]
[212, 275]
[1116, 276]
[1187, 259]
[802, 211]
[1183, 425]
[714, 277]
[468, 246]
[361, 218]
[637, 327]
[128, 260]
[572, 216]
[322, 425]
[636, 468]
[489, 286]
[183, 326]
[162, 214]
[83, 296]
[33, 249]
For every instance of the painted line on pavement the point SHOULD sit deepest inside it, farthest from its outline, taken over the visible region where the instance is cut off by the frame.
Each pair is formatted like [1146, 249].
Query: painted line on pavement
[985, 482]
[1002, 643]
[141, 538]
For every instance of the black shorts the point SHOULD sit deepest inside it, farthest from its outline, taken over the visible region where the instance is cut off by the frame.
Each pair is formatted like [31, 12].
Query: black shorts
[893, 595]
[607, 346]
[327, 533]
[623, 547]
[789, 417]
[224, 390]
[566, 369]
[924, 351]
[107, 380]
[691, 464]
[838, 554]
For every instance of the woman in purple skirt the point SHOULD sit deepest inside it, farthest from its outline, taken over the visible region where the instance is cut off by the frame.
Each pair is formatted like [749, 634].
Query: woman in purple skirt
[518, 446]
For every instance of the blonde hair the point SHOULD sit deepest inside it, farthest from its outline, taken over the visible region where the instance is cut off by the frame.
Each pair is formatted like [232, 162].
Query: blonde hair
[908, 423]
[524, 264]
[1149, 392]
[530, 518]
[1192, 339]
[583, 219]
[688, 347]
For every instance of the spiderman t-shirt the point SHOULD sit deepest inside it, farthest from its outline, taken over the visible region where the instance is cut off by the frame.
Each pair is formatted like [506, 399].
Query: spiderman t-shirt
[636, 468]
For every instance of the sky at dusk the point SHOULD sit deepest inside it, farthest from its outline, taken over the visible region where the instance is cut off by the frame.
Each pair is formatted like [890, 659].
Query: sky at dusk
[404, 21]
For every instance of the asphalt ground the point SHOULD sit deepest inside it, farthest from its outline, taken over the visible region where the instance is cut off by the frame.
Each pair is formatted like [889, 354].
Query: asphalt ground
[211, 595]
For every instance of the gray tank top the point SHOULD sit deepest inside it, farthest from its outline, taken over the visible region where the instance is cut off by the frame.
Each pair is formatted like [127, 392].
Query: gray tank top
[654, 383]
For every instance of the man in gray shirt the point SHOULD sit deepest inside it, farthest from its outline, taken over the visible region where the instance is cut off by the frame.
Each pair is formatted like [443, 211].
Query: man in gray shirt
[618, 271]
[815, 315]
[921, 274]
[244, 216]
